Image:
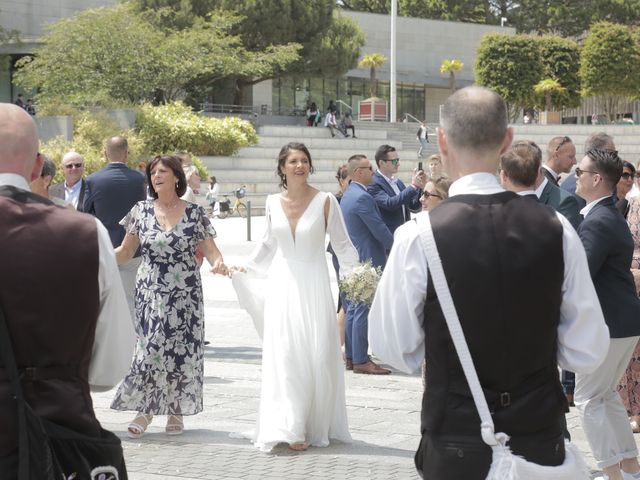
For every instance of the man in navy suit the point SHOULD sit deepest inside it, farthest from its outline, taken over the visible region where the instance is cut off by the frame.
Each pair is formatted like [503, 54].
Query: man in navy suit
[372, 239]
[111, 193]
[609, 246]
[394, 199]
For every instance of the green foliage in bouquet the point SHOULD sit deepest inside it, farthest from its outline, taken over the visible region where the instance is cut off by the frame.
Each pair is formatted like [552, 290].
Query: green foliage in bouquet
[174, 126]
[359, 285]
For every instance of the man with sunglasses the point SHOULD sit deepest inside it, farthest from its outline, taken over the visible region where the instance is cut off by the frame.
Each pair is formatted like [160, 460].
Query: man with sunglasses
[394, 199]
[73, 189]
[609, 246]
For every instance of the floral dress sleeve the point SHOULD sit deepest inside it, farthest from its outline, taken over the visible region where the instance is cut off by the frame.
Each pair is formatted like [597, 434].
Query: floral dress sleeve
[203, 227]
[132, 220]
[633, 218]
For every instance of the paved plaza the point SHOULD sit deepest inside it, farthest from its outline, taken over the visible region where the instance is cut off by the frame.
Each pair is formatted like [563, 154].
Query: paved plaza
[384, 411]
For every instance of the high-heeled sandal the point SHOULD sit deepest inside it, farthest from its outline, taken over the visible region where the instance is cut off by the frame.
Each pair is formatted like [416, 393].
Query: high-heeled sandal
[139, 425]
[298, 447]
[175, 425]
[635, 425]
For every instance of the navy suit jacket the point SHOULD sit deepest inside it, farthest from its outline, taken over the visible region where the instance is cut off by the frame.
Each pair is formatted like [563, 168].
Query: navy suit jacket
[111, 193]
[392, 206]
[609, 246]
[563, 202]
[369, 234]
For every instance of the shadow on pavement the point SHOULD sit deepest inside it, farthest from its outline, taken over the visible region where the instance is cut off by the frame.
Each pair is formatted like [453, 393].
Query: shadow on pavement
[241, 354]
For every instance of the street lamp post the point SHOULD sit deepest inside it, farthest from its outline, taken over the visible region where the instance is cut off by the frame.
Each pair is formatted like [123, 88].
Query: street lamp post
[392, 66]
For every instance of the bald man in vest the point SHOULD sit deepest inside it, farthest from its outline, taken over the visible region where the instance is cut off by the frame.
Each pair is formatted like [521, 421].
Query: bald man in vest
[61, 294]
[501, 254]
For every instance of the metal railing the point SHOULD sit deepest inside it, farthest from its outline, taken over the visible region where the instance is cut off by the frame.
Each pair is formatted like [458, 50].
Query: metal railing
[408, 115]
[225, 108]
[346, 105]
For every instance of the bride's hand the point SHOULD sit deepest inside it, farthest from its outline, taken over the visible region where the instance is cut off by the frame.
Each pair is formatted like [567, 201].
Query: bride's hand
[233, 269]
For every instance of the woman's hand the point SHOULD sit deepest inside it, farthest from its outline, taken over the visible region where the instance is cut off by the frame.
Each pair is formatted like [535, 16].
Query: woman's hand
[233, 269]
[219, 267]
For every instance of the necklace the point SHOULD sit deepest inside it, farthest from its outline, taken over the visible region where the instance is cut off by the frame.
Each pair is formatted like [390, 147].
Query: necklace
[164, 210]
[168, 207]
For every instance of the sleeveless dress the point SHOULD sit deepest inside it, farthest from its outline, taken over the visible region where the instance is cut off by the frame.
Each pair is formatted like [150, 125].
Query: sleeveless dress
[166, 374]
[302, 396]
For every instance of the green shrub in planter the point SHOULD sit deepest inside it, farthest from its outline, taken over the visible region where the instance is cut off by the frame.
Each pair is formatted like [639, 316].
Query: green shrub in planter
[175, 127]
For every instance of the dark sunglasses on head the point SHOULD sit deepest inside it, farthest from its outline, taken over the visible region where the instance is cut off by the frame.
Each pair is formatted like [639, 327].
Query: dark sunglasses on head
[395, 161]
[562, 142]
[367, 167]
[71, 165]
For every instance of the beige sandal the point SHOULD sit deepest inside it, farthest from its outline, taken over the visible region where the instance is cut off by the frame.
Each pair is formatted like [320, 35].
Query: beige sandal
[139, 425]
[175, 425]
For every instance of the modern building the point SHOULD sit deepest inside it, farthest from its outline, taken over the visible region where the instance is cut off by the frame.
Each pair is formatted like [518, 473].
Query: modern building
[422, 45]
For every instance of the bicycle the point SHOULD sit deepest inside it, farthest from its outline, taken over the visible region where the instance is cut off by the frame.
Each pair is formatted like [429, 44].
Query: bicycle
[238, 206]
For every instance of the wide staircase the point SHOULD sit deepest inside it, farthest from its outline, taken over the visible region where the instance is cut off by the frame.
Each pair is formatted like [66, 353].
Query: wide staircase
[255, 166]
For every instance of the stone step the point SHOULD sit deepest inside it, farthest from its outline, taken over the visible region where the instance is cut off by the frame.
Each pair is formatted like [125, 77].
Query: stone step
[314, 132]
[327, 142]
[571, 129]
[342, 151]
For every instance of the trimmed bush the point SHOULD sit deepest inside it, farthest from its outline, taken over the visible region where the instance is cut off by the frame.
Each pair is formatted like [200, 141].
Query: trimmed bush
[174, 127]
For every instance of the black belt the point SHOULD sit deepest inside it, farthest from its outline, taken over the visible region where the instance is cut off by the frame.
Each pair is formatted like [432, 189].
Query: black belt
[34, 374]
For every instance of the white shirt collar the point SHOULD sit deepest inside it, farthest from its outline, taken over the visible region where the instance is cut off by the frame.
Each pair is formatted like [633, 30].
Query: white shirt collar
[481, 183]
[555, 175]
[585, 211]
[391, 181]
[14, 180]
[526, 192]
[541, 187]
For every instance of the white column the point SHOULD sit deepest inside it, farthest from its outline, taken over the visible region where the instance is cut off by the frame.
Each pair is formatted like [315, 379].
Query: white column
[392, 82]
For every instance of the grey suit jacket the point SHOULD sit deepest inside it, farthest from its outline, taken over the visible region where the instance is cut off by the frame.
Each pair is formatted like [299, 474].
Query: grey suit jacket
[562, 202]
[57, 191]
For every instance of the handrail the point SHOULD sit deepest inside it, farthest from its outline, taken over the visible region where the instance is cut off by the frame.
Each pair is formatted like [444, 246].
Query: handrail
[345, 104]
[225, 108]
[411, 116]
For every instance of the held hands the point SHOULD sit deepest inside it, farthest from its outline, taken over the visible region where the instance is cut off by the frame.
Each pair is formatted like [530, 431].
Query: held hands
[419, 179]
[233, 269]
[220, 267]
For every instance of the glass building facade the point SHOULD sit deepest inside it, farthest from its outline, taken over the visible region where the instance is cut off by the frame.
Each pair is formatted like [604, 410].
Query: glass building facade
[291, 95]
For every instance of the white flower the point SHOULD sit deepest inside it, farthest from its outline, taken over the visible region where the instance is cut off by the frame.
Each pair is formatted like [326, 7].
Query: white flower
[359, 285]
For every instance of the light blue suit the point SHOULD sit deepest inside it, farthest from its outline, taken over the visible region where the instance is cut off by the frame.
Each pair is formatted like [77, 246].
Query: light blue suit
[372, 240]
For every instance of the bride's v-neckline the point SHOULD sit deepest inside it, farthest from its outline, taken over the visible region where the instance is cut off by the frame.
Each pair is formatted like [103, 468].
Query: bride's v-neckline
[293, 230]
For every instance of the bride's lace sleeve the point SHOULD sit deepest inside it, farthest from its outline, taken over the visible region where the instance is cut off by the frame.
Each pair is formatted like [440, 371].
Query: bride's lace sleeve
[261, 257]
[339, 237]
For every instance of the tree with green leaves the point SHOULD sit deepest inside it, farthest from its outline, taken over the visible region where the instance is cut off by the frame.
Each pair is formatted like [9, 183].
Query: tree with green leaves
[98, 58]
[330, 43]
[372, 61]
[511, 66]
[559, 58]
[609, 65]
[547, 88]
[451, 67]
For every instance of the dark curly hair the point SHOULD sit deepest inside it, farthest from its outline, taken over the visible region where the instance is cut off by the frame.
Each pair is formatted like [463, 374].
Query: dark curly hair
[174, 164]
[282, 157]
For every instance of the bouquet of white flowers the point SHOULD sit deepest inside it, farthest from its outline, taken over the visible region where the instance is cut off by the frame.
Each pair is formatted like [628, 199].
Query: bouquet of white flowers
[359, 285]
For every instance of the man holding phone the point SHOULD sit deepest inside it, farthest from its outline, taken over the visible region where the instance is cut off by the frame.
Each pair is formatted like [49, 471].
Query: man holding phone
[395, 199]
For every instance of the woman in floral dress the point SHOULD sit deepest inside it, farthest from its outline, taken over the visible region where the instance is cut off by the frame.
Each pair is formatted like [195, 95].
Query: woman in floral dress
[166, 374]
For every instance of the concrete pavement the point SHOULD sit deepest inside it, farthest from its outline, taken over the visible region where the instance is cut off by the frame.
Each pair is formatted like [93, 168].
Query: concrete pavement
[384, 411]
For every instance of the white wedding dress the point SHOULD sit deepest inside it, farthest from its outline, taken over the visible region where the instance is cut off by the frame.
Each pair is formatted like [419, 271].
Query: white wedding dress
[302, 395]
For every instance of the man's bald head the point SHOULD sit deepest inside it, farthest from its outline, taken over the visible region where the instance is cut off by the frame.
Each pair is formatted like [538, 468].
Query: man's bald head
[117, 149]
[18, 142]
[475, 119]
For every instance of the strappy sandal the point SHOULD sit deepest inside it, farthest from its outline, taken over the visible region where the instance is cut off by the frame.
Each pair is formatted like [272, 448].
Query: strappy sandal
[139, 425]
[175, 425]
[635, 426]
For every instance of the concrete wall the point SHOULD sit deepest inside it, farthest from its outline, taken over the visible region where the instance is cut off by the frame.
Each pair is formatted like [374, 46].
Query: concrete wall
[422, 45]
[51, 127]
[30, 16]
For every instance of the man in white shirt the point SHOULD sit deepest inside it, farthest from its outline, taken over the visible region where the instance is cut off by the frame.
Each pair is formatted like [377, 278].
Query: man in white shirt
[73, 188]
[501, 253]
[61, 295]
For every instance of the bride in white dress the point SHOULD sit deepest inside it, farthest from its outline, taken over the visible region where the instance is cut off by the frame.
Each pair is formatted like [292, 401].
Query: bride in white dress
[302, 399]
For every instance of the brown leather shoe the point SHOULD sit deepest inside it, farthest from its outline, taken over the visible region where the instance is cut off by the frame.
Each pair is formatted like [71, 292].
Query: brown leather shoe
[370, 368]
[348, 364]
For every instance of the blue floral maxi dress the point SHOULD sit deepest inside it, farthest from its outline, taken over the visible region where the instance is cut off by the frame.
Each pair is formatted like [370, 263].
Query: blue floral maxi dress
[166, 374]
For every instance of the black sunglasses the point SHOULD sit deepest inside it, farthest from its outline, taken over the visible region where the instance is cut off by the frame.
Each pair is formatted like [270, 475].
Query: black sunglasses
[429, 194]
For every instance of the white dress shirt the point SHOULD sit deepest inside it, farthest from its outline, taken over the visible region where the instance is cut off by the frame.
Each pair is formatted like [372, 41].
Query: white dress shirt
[393, 182]
[541, 187]
[72, 194]
[589, 206]
[396, 335]
[550, 170]
[114, 336]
